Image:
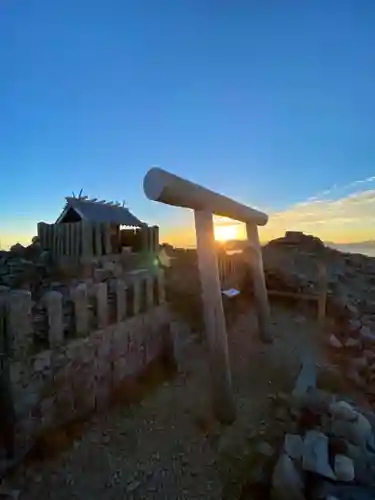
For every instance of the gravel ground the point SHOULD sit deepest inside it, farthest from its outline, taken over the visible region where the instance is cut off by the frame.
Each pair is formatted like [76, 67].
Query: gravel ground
[169, 446]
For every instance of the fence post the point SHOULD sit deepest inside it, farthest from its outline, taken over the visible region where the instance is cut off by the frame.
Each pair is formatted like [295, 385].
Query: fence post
[255, 261]
[120, 291]
[161, 286]
[150, 291]
[137, 291]
[53, 303]
[101, 304]
[223, 402]
[81, 310]
[20, 333]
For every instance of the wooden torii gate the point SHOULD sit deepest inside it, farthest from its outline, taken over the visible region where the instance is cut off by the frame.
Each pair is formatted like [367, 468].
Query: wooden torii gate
[160, 185]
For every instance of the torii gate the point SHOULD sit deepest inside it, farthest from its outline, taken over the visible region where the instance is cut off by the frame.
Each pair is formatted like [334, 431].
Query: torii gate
[160, 185]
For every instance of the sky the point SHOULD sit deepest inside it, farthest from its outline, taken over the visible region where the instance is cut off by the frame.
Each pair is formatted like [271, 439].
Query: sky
[271, 103]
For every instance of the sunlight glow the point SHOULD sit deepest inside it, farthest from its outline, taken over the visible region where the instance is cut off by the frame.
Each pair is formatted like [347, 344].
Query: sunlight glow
[226, 232]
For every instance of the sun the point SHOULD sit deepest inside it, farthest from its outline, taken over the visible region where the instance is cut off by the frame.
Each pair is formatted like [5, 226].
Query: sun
[226, 232]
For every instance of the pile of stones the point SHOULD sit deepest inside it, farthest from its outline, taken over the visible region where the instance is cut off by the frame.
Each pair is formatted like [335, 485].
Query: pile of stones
[25, 267]
[291, 264]
[352, 347]
[327, 450]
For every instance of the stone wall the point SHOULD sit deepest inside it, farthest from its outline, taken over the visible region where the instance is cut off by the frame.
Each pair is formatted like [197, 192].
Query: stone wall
[117, 330]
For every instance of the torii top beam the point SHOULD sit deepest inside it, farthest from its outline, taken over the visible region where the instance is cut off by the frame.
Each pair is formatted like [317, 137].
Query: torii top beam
[160, 185]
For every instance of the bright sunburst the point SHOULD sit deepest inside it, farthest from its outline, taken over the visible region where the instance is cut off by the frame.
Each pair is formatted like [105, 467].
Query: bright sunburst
[226, 232]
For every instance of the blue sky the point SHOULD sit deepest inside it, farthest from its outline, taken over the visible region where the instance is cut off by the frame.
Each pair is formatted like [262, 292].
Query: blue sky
[271, 103]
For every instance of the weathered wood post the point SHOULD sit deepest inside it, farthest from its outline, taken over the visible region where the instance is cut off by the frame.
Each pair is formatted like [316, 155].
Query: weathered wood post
[164, 187]
[214, 317]
[255, 260]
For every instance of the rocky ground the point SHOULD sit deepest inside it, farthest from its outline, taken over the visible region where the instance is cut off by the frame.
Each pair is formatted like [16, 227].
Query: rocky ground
[169, 446]
[300, 433]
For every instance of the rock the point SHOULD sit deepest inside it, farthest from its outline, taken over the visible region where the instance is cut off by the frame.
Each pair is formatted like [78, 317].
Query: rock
[329, 378]
[344, 468]
[18, 250]
[353, 451]
[367, 336]
[370, 416]
[293, 446]
[338, 446]
[266, 449]
[345, 492]
[354, 325]
[357, 432]
[358, 364]
[352, 343]
[306, 378]
[355, 377]
[343, 410]
[364, 464]
[133, 486]
[369, 355]
[287, 483]
[314, 400]
[334, 342]
[315, 454]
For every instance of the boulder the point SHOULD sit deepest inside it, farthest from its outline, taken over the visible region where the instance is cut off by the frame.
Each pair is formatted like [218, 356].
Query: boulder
[369, 355]
[306, 379]
[314, 400]
[265, 449]
[334, 342]
[343, 410]
[356, 378]
[329, 378]
[287, 483]
[354, 325]
[293, 446]
[315, 454]
[358, 364]
[357, 432]
[352, 343]
[344, 468]
[345, 492]
[366, 335]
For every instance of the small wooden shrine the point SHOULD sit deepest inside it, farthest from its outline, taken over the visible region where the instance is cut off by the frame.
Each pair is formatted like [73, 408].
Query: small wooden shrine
[93, 228]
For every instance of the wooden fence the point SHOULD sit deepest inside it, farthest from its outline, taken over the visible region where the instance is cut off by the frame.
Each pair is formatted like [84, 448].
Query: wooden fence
[87, 239]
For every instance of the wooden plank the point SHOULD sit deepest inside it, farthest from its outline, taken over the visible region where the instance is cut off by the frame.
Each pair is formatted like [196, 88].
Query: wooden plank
[56, 240]
[87, 230]
[42, 234]
[255, 260]
[221, 381]
[68, 239]
[107, 239]
[98, 239]
[77, 231]
[63, 238]
[49, 236]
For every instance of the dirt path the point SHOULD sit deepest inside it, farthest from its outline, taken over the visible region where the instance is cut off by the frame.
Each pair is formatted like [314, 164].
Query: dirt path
[168, 446]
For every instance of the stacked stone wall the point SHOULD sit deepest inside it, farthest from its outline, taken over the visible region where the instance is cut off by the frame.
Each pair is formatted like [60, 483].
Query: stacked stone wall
[59, 374]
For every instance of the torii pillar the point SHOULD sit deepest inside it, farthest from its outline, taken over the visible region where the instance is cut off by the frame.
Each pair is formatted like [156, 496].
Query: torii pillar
[170, 189]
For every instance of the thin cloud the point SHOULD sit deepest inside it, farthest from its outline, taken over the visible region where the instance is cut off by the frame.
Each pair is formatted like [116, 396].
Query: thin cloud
[339, 213]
